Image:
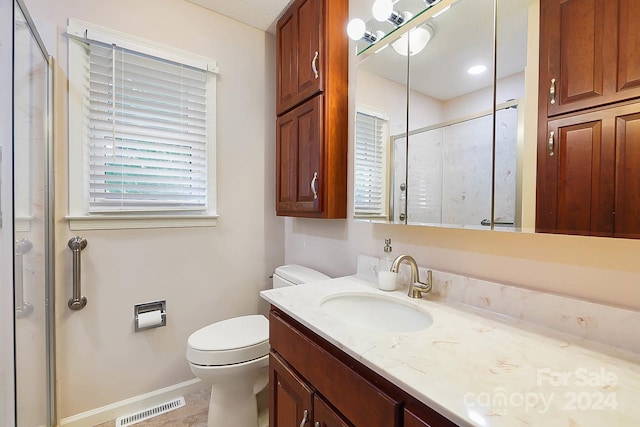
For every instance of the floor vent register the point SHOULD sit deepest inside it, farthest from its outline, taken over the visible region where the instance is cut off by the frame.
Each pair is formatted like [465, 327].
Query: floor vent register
[145, 414]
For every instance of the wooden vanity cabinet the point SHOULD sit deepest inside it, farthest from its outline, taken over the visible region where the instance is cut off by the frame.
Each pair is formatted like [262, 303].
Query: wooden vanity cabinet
[309, 374]
[312, 109]
[588, 53]
[294, 401]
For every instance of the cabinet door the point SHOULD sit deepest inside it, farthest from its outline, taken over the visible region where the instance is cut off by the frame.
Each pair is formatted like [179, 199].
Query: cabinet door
[299, 173]
[299, 53]
[325, 416]
[290, 399]
[286, 60]
[627, 207]
[588, 53]
[575, 184]
[310, 54]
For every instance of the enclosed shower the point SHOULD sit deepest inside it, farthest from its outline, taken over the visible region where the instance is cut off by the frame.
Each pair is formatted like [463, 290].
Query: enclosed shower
[26, 255]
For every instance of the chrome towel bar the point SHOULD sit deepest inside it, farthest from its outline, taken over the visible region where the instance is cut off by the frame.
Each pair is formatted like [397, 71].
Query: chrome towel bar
[77, 302]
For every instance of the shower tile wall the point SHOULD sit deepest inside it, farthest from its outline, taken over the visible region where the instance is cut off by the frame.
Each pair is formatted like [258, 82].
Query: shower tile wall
[450, 172]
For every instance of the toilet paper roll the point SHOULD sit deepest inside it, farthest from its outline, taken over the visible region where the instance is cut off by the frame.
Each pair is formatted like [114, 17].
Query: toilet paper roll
[149, 319]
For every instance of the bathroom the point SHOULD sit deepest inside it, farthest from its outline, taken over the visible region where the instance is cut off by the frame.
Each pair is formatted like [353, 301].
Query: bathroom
[210, 273]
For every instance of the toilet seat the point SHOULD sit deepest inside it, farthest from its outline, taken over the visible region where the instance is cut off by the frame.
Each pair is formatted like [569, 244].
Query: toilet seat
[230, 341]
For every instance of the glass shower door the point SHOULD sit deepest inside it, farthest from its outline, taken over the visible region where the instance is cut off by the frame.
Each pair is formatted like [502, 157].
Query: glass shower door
[33, 290]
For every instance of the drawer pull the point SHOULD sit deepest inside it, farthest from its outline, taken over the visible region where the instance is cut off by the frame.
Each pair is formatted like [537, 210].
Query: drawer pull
[552, 91]
[314, 181]
[314, 65]
[305, 418]
[551, 143]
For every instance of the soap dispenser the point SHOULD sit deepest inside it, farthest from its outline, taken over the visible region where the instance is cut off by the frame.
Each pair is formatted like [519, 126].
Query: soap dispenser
[387, 279]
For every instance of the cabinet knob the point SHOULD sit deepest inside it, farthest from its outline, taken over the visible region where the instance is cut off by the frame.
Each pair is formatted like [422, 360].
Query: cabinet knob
[552, 91]
[551, 143]
[314, 65]
[305, 418]
[314, 181]
[317, 424]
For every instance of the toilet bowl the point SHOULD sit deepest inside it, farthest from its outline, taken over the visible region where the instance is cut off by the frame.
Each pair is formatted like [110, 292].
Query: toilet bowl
[232, 356]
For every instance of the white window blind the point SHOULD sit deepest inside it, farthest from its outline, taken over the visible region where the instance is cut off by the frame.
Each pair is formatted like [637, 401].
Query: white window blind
[370, 176]
[147, 130]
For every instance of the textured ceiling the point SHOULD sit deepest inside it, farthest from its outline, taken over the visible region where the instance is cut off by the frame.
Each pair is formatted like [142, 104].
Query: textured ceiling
[260, 14]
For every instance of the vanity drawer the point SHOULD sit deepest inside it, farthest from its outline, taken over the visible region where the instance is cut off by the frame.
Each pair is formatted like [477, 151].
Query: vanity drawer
[360, 401]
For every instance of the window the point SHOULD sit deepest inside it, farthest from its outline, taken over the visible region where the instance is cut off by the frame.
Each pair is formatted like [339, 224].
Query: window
[141, 132]
[371, 158]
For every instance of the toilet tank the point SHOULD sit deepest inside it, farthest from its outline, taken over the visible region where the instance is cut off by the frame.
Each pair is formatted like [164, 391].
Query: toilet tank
[289, 275]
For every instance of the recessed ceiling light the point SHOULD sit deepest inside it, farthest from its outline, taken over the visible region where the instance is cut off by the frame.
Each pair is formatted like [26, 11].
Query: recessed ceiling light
[477, 69]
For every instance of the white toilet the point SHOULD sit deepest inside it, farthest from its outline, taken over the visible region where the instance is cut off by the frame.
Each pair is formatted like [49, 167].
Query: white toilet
[233, 357]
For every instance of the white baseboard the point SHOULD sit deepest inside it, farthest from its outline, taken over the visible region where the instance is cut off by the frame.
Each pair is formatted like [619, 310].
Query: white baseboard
[131, 405]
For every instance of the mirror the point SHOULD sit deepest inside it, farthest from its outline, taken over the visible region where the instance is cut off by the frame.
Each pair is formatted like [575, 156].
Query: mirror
[426, 153]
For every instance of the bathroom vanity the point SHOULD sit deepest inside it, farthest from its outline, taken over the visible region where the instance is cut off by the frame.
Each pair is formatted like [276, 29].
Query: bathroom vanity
[493, 355]
[311, 379]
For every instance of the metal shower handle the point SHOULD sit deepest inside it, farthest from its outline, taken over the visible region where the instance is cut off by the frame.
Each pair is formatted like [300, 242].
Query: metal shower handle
[77, 302]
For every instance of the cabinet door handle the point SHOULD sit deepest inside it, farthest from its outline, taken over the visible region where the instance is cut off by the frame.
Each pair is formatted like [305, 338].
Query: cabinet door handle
[305, 418]
[551, 143]
[317, 424]
[552, 91]
[314, 181]
[314, 65]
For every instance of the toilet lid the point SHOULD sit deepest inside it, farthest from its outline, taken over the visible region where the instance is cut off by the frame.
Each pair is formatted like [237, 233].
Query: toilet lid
[299, 274]
[230, 341]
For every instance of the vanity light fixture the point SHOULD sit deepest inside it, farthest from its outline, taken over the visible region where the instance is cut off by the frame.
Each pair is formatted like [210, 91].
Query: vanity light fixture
[357, 30]
[383, 11]
[477, 69]
[414, 41]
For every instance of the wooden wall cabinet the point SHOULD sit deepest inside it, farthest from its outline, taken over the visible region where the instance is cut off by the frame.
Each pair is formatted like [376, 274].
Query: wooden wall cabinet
[589, 128]
[309, 374]
[589, 53]
[312, 108]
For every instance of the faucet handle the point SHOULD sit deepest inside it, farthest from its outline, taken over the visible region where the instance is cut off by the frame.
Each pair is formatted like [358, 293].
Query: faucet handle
[418, 288]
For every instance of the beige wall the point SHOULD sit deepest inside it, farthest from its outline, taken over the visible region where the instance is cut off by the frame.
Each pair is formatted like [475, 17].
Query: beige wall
[205, 274]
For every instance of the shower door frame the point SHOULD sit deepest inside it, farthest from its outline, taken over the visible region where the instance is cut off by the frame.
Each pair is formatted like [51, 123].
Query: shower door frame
[8, 105]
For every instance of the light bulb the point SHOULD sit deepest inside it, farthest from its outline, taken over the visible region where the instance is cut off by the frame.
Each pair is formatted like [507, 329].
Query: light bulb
[382, 9]
[356, 29]
[414, 41]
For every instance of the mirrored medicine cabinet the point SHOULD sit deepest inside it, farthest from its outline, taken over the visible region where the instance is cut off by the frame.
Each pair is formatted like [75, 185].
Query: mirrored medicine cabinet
[446, 129]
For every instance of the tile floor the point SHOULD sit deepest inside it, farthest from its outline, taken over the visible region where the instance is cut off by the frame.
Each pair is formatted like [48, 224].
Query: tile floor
[193, 414]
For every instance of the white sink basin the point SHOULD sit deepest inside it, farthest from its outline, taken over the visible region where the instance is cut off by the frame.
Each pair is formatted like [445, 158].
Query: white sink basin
[376, 312]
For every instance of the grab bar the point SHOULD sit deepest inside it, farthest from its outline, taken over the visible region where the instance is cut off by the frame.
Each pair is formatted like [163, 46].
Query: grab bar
[78, 302]
[23, 309]
[487, 223]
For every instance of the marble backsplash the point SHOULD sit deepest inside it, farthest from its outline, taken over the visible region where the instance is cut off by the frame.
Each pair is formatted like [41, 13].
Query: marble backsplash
[613, 326]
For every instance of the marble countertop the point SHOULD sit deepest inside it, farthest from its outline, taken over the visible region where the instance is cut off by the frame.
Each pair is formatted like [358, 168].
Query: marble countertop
[479, 368]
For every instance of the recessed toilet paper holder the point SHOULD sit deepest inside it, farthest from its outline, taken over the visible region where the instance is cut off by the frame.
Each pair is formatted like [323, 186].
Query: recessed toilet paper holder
[150, 315]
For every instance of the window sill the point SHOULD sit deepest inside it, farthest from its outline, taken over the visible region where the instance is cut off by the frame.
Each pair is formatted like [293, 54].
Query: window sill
[117, 222]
